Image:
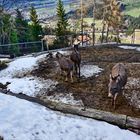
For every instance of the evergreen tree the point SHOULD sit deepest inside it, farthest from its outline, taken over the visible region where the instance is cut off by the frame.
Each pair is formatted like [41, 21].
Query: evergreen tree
[61, 29]
[14, 49]
[62, 20]
[13, 37]
[21, 27]
[35, 27]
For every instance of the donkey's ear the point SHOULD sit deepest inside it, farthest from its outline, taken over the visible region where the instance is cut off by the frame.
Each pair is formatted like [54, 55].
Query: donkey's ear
[118, 78]
[110, 76]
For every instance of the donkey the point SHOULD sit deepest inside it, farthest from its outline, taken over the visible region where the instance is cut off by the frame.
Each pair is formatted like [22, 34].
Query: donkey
[66, 65]
[118, 79]
[76, 58]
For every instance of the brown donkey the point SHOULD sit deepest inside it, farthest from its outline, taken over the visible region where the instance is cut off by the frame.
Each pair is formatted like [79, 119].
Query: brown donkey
[66, 65]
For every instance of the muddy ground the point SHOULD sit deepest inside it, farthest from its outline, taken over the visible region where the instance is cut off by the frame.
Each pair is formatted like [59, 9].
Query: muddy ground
[93, 90]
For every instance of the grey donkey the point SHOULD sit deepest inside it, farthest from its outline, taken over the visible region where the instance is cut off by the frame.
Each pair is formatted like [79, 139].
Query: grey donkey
[118, 80]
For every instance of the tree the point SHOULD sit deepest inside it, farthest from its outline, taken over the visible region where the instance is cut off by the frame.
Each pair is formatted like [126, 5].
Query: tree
[14, 49]
[5, 27]
[62, 24]
[21, 26]
[35, 27]
[62, 20]
[112, 18]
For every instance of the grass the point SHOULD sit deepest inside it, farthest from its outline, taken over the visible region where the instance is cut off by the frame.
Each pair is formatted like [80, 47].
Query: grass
[137, 38]
[124, 39]
[133, 12]
[97, 22]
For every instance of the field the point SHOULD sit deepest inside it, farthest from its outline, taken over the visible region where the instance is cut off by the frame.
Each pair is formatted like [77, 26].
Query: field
[93, 90]
[132, 8]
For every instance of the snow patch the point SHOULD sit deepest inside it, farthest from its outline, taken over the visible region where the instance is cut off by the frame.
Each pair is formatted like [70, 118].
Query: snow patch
[65, 98]
[90, 70]
[5, 59]
[23, 120]
[127, 47]
[130, 47]
[21, 66]
[65, 53]
[28, 85]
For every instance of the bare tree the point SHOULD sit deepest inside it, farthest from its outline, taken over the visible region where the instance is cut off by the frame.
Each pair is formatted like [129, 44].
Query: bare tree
[112, 18]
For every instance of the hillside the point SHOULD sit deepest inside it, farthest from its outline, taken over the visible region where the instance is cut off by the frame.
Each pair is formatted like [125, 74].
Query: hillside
[132, 7]
[47, 8]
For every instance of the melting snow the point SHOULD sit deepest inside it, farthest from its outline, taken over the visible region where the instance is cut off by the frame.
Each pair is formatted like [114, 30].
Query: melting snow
[28, 85]
[90, 70]
[20, 83]
[20, 65]
[130, 47]
[23, 120]
[65, 98]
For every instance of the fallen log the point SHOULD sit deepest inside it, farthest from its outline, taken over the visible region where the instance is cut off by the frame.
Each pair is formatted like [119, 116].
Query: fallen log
[132, 122]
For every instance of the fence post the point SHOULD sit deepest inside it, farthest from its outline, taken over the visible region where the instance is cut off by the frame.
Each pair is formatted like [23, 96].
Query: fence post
[47, 45]
[71, 41]
[42, 46]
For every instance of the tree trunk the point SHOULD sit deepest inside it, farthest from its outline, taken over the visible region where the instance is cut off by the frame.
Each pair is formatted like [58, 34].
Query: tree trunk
[103, 29]
[107, 32]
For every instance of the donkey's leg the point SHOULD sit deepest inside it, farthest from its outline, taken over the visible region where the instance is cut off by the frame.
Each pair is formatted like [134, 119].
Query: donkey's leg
[75, 65]
[79, 69]
[66, 74]
[123, 88]
[71, 76]
[115, 97]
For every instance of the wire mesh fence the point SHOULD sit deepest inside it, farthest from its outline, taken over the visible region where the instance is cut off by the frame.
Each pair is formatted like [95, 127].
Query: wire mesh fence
[21, 48]
[53, 42]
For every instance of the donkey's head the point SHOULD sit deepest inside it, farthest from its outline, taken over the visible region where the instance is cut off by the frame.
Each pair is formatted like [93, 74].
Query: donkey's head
[114, 85]
[49, 55]
[59, 55]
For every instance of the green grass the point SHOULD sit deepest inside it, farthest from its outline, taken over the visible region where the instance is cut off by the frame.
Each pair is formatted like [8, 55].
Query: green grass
[133, 12]
[97, 22]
